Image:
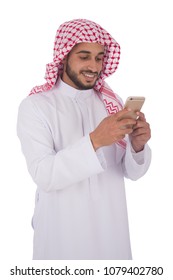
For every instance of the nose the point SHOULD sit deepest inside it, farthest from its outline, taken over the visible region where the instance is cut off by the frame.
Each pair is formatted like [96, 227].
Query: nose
[92, 65]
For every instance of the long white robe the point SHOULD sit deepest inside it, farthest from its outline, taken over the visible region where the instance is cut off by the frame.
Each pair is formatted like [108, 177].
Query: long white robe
[80, 207]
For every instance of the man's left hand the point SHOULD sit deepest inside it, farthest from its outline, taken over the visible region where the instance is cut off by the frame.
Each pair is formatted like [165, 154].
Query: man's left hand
[141, 133]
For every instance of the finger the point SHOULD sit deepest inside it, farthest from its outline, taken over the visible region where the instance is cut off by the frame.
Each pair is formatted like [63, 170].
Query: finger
[123, 133]
[137, 133]
[128, 130]
[141, 124]
[141, 116]
[125, 123]
[125, 130]
[140, 131]
[121, 114]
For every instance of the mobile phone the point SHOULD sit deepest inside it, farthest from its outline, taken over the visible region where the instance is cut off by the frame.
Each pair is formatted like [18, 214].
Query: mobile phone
[135, 103]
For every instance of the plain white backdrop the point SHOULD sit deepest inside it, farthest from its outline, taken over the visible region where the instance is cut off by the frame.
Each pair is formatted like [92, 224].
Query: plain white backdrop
[144, 31]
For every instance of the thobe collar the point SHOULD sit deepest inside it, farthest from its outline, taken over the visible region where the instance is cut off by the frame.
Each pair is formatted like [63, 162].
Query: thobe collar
[71, 91]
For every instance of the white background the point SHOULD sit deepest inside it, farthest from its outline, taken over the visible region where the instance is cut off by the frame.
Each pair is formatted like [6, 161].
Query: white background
[144, 32]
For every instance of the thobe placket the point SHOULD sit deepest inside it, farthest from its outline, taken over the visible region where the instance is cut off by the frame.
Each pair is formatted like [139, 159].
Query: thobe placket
[86, 124]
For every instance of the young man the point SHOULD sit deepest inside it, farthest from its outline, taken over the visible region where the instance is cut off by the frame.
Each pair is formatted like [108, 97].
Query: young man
[79, 145]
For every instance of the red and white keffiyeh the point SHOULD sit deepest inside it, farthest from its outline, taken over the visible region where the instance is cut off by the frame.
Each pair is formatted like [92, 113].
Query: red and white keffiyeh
[79, 31]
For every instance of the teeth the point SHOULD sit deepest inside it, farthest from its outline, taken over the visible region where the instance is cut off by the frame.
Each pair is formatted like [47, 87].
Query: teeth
[89, 75]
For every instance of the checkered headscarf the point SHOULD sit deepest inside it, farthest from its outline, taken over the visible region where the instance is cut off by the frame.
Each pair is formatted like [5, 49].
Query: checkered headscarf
[79, 31]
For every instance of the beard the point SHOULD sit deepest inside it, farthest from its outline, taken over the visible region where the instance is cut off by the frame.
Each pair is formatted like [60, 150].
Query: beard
[78, 83]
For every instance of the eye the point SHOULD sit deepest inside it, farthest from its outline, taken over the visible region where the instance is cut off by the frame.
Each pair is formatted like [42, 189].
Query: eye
[83, 57]
[99, 59]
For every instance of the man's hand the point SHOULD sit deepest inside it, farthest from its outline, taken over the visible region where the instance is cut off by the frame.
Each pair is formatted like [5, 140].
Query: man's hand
[141, 133]
[112, 129]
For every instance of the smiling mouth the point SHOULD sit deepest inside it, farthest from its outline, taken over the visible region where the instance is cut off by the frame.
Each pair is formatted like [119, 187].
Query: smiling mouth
[90, 75]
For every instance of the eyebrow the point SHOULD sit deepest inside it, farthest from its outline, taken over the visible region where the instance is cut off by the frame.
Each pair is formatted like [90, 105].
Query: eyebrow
[87, 52]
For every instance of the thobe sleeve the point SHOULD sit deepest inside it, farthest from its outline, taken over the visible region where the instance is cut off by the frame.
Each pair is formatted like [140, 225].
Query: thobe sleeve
[135, 165]
[49, 169]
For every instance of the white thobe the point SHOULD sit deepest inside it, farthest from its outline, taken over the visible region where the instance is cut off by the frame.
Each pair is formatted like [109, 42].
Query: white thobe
[80, 206]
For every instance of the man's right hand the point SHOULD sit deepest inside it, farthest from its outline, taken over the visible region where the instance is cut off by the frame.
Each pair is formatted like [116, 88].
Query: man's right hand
[112, 129]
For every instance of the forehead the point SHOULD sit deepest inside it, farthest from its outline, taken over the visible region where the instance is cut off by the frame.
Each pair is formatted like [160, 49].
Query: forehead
[94, 48]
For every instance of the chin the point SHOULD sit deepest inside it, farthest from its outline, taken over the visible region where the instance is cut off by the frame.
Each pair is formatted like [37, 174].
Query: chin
[87, 86]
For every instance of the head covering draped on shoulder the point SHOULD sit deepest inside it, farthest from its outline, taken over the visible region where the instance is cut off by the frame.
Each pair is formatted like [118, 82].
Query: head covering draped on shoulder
[78, 31]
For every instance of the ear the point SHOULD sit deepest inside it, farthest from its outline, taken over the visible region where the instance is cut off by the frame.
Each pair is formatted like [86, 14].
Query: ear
[63, 61]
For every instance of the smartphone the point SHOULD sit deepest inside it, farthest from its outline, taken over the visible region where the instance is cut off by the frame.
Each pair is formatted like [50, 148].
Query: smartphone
[135, 103]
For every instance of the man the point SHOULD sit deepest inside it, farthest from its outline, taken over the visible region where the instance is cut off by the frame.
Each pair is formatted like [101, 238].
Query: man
[79, 145]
